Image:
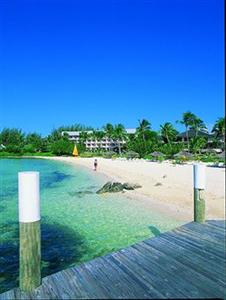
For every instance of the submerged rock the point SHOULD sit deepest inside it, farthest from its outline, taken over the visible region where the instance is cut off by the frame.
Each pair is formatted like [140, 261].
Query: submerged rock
[131, 186]
[111, 187]
[115, 187]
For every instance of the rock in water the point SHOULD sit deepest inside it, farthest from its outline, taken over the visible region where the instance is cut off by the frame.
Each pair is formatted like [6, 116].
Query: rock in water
[105, 188]
[115, 187]
[110, 187]
[131, 186]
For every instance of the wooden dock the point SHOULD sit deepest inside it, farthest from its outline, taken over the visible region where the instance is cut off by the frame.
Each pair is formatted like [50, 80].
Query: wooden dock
[188, 262]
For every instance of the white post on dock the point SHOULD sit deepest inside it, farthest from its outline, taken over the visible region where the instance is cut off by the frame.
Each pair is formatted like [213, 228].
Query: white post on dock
[199, 173]
[29, 226]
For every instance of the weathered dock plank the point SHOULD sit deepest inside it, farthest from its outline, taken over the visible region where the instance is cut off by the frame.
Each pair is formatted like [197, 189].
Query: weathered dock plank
[188, 262]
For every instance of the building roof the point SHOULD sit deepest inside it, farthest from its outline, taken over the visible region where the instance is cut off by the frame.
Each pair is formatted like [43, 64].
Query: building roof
[192, 133]
[77, 133]
[74, 133]
[130, 130]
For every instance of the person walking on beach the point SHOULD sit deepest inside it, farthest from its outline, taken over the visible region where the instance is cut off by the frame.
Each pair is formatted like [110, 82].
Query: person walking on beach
[95, 164]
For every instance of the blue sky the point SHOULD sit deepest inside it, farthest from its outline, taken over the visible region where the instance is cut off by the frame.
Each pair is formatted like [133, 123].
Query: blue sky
[93, 62]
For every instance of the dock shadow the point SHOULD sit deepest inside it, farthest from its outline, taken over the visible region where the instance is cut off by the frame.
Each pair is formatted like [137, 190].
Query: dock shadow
[155, 231]
[60, 246]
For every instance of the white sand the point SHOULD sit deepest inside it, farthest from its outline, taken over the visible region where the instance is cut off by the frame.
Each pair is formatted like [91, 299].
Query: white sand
[173, 193]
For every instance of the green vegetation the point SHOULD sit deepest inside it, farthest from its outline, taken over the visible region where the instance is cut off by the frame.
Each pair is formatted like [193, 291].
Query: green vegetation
[145, 143]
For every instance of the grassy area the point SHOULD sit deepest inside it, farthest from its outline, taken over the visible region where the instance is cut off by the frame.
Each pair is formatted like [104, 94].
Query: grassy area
[4, 154]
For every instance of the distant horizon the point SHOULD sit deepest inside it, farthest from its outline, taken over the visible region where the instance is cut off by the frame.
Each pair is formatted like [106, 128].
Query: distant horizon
[110, 61]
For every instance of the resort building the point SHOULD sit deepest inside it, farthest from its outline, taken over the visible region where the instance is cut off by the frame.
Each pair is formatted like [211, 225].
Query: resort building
[92, 143]
[182, 137]
[210, 137]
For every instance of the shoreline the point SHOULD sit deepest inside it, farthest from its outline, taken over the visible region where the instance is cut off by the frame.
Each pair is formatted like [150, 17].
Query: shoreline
[166, 188]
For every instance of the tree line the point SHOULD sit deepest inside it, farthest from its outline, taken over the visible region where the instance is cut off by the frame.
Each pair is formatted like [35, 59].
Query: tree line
[143, 142]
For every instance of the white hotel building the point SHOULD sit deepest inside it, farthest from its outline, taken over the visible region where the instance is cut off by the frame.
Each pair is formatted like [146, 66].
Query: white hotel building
[105, 143]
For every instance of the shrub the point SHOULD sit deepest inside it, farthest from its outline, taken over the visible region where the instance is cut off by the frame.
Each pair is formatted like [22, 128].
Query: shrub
[170, 149]
[62, 147]
[197, 144]
[209, 157]
[160, 158]
[29, 148]
[14, 149]
[87, 154]
[108, 154]
[81, 148]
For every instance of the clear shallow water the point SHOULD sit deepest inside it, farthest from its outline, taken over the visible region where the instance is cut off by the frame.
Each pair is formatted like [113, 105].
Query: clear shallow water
[77, 224]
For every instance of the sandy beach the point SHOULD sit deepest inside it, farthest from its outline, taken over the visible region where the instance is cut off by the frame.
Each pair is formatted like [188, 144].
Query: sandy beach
[166, 187]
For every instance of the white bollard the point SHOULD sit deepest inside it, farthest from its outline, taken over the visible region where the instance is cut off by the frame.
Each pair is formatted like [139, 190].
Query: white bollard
[30, 240]
[199, 176]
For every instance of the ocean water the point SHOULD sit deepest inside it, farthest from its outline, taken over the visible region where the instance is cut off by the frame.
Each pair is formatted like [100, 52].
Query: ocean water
[77, 224]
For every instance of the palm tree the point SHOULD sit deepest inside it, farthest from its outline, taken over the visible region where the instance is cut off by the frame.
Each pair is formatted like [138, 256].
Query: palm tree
[109, 129]
[197, 125]
[187, 121]
[83, 136]
[143, 129]
[168, 132]
[99, 136]
[219, 127]
[219, 131]
[92, 136]
[120, 135]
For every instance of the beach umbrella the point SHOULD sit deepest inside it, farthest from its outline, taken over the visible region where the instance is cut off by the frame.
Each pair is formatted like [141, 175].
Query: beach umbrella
[132, 154]
[183, 153]
[157, 154]
[75, 151]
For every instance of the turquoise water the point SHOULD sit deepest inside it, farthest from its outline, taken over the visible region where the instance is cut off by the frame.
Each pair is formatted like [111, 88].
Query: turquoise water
[77, 224]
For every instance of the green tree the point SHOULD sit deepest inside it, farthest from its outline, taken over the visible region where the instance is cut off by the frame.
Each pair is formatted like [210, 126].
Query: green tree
[62, 147]
[12, 137]
[168, 132]
[187, 121]
[81, 148]
[109, 130]
[99, 136]
[83, 136]
[219, 128]
[197, 124]
[120, 135]
[34, 141]
[136, 144]
[143, 130]
[197, 144]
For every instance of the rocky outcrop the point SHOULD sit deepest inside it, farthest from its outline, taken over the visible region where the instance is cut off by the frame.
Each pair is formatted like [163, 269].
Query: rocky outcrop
[115, 187]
